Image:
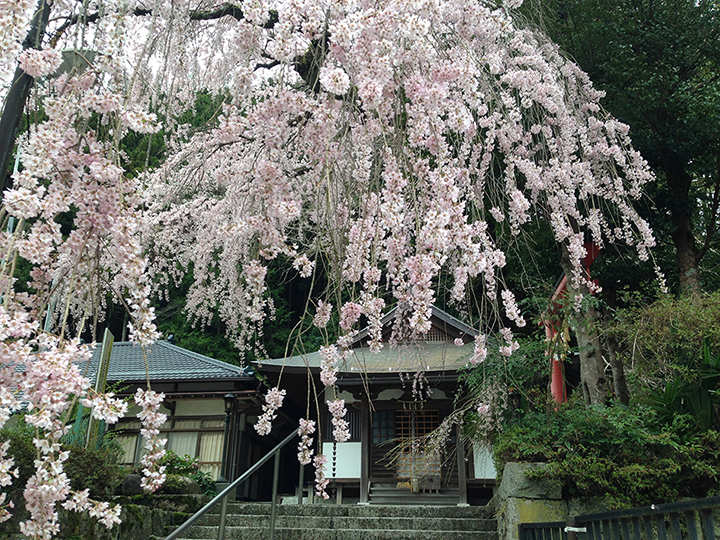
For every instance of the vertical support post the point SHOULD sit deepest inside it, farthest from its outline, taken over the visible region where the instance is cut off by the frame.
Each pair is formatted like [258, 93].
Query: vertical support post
[301, 482]
[223, 518]
[91, 436]
[462, 469]
[276, 478]
[365, 450]
[229, 403]
[571, 525]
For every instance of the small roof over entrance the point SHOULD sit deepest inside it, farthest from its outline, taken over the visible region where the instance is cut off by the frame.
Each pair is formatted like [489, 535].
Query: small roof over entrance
[436, 352]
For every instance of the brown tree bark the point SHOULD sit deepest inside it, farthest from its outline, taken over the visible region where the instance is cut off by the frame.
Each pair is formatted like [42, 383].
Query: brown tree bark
[585, 324]
[686, 251]
[619, 382]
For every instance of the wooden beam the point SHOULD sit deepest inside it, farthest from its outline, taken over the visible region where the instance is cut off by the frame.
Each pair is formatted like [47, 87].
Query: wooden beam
[365, 449]
[462, 469]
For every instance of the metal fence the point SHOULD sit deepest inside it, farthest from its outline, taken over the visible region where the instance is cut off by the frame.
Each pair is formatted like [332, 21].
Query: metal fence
[688, 520]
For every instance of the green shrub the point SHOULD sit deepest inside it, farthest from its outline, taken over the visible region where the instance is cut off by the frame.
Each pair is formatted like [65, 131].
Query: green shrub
[186, 466]
[23, 452]
[97, 470]
[621, 454]
[665, 339]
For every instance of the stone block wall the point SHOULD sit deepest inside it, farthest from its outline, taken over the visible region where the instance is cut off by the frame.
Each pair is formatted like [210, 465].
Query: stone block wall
[143, 517]
[521, 500]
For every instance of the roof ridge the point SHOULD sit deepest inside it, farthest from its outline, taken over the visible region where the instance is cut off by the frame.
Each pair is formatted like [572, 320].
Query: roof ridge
[439, 313]
[193, 354]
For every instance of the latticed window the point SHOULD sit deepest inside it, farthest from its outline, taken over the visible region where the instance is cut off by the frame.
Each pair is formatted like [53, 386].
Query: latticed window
[200, 438]
[435, 334]
[415, 423]
[383, 426]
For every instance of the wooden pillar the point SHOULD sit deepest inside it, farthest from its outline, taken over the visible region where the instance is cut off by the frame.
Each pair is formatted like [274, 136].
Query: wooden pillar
[365, 450]
[462, 469]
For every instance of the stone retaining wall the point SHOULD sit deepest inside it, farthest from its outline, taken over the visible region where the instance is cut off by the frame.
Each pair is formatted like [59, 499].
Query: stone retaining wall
[521, 500]
[143, 516]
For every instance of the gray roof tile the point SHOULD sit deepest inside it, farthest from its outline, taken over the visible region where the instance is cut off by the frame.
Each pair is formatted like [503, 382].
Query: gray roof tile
[165, 362]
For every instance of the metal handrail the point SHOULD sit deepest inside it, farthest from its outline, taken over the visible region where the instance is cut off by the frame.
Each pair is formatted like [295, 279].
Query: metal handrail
[659, 521]
[223, 495]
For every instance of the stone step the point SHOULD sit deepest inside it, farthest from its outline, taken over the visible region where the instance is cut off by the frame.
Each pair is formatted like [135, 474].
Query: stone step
[354, 522]
[260, 509]
[392, 495]
[284, 533]
[415, 501]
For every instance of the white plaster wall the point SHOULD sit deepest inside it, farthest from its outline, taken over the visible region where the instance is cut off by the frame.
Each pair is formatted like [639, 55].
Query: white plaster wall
[484, 466]
[200, 407]
[343, 394]
[347, 460]
[390, 394]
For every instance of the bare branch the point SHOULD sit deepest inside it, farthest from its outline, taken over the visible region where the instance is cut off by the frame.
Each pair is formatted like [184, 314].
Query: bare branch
[226, 9]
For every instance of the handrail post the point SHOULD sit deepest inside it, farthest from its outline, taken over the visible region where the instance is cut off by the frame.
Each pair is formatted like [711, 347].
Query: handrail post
[225, 492]
[276, 478]
[223, 517]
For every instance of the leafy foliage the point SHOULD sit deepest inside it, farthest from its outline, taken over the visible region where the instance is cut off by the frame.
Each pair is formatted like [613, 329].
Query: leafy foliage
[621, 454]
[658, 63]
[665, 338]
[696, 399]
[97, 470]
[186, 466]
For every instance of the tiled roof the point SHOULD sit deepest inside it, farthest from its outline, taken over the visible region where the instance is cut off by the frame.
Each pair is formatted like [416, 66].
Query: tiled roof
[166, 362]
[430, 356]
[422, 356]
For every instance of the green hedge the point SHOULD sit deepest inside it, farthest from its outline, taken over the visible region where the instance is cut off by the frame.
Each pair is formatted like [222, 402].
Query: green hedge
[621, 454]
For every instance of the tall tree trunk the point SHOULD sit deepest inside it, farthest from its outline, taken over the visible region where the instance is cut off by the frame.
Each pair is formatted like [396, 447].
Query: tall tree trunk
[620, 388]
[686, 251]
[585, 325]
[19, 91]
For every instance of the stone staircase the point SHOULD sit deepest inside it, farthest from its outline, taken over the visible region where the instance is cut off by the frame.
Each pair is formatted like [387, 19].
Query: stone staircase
[251, 521]
[390, 494]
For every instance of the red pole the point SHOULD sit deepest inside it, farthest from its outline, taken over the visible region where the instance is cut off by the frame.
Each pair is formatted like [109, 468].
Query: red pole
[557, 380]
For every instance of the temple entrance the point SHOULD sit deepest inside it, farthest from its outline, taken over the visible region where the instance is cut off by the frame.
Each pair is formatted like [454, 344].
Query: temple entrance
[399, 455]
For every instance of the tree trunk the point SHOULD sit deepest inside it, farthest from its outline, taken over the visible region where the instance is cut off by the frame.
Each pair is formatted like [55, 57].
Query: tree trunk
[19, 91]
[585, 325]
[686, 252]
[620, 388]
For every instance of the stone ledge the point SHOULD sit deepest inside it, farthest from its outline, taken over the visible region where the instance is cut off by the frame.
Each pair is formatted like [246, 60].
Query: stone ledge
[515, 483]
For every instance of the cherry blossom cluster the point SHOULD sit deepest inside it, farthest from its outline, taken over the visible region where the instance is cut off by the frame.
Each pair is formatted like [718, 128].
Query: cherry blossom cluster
[479, 350]
[154, 446]
[50, 376]
[273, 402]
[322, 315]
[105, 407]
[490, 410]
[329, 358]
[38, 63]
[511, 345]
[6, 475]
[14, 17]
[321, 482]
[497, 127]
[341, 426]
[102, 511]
[305, 451]
[423, 129]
